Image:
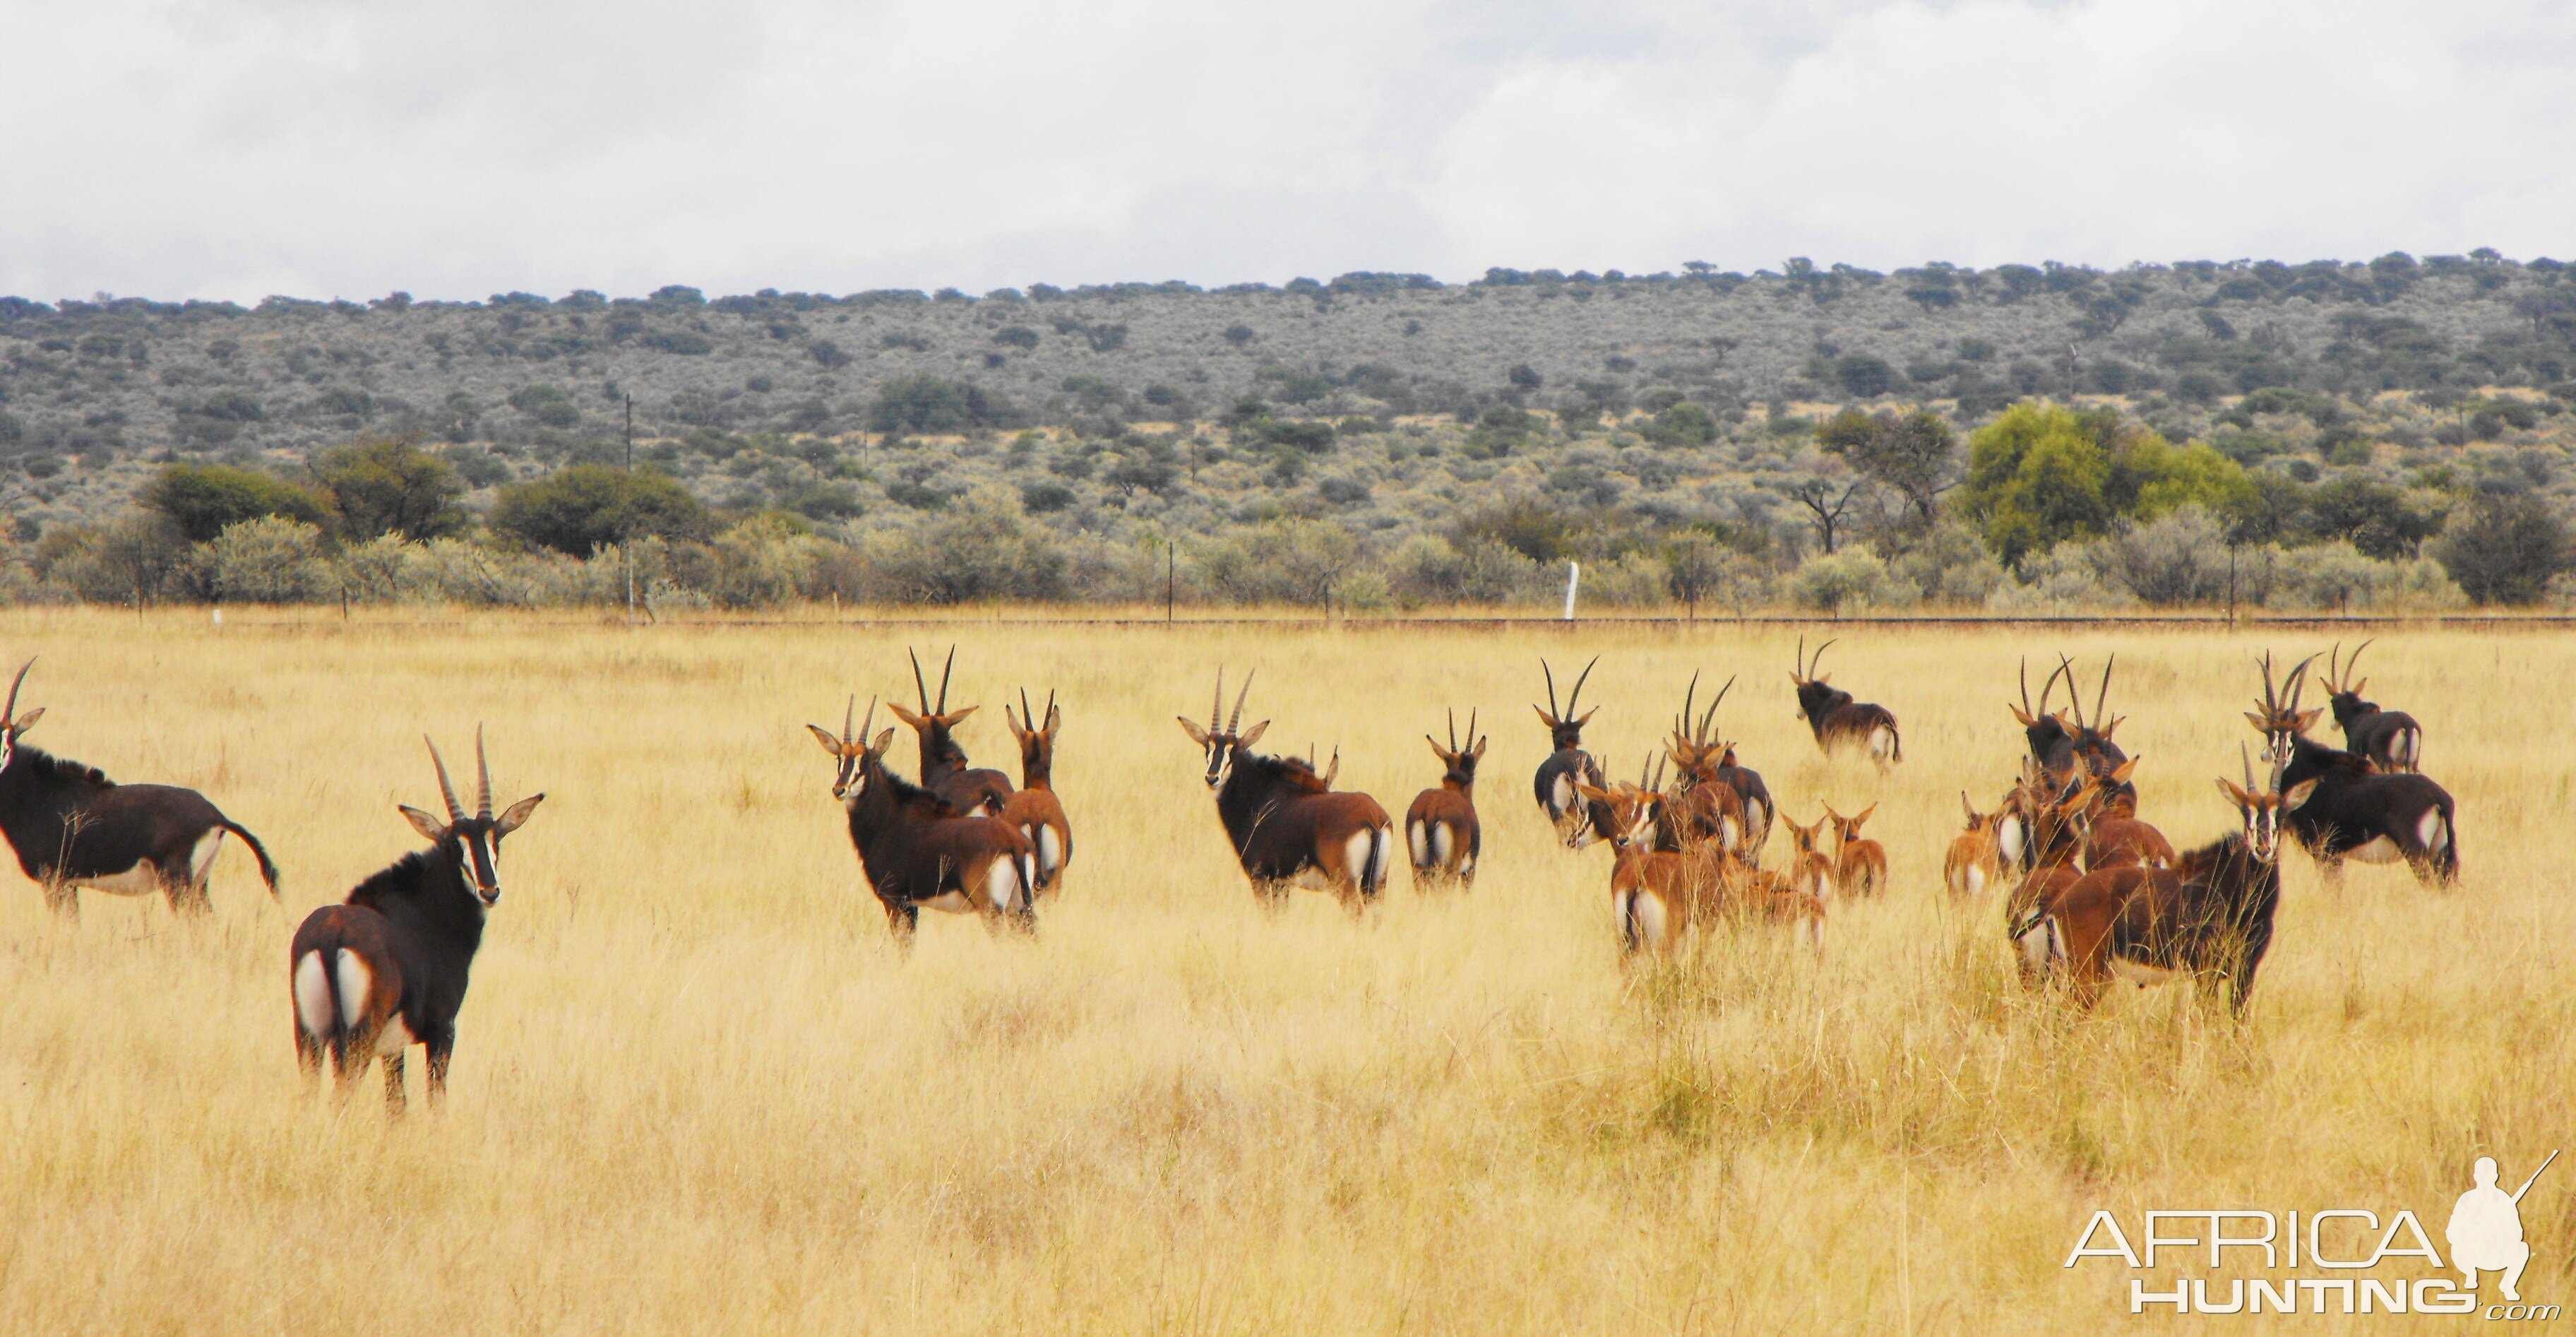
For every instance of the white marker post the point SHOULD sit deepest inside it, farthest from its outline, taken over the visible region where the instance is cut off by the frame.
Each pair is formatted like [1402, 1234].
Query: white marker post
[1573, 577]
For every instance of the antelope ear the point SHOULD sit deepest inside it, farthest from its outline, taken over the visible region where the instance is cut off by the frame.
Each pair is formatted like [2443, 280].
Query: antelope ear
[916, 721]
[1586, 717]
[1197, 734]
[429, 827]
[831, 742]
[952, 718]
[1543, 716]
[1252, 735]
[1596, 795]
[2120, 775]
[1012, 722]
[2261, 723]
[2298, 795]
[1479, 749]
[2309, 718]
[1438, 751]
[1863, 814]
[2113, 727]
[517, 816]
[26, 722]
[2234, 795]
[885, 739]
[2021, 716]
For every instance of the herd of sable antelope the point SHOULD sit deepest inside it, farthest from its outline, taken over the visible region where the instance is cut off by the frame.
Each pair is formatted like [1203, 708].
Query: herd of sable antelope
[2089, 889]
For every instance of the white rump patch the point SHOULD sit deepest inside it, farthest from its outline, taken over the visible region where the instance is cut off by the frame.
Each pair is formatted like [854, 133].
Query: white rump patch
[2380, 849]
[1001, 883]
[1653, 923]
[1355, 854]
[1050, 851]
[2008, 839]
[1416, 839]
[141, 880]
[1444, 842]
[1727, 835]
[1882, 741]
[355, 980]
[2429, 832]
[1976, 880]
[1562, 797]
[312, 995]
[203, 857]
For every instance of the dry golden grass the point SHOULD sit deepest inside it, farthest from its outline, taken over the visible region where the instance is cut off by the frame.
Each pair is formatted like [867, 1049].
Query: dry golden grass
[695, 1090]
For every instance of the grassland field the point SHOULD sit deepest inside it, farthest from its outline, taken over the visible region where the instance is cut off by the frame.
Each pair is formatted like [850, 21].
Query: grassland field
[696, 1090]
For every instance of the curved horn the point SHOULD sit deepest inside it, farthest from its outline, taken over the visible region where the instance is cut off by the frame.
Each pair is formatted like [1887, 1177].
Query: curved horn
[1237, 717]
[2050, 686]
[2025, 700]
[2331, 670]
[482, 778]
[2299, 683]
[9, 716]
[1216, 708]
[1553, 714]
[1453, 728]
[920, 688]
[2352, 667]
[1575, 697]
[2074, 690]
[2104, 694]
[1471, 728]
[867, 720]
[1820, 656]
[2248, 759]
[1798, 658]
[943, 677]
[1710, 717]
[1688, 698]
[848, 714]
[455, 810]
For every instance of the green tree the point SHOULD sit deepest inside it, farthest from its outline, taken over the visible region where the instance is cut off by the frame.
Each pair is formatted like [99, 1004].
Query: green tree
[2374, 516]
[1681, 424]
[584, 507]
[927, 403]
[202, 499]
[391, 487]
[2035, 478]
[2505, 548]
[1916, 455]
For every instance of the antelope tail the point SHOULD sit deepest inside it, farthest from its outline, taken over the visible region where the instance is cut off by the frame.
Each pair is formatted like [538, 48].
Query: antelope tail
[267, 869]
[1381, 844]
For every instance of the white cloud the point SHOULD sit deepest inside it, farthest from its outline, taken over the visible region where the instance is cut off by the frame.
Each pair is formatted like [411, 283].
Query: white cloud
[332, 147]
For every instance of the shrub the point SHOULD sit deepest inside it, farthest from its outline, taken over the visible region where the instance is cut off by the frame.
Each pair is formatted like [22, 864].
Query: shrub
[133, 559]
[587, 506]
[203, 499]
[391, 487]
[2176, 559]
[1632, 580]
[1483, 570]
[1681, 424]
[1948, 565]
[932, 404]
[2061, 580]
[987, 548]
[270, 560]
[1283, 561]
[1853, 579]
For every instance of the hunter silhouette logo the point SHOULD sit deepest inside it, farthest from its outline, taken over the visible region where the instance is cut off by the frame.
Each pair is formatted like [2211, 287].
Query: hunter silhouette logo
[2486, 1229]
[2331, 1260]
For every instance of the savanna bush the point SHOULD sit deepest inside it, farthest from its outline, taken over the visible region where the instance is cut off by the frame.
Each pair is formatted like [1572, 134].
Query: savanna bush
[1851, 580]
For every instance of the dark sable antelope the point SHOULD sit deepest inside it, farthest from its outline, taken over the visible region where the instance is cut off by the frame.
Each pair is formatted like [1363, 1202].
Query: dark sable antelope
[387, 969]
[1287, 827]
[1032, 810]
[1718, 800]
[917, 849]
[2060, 749]
[2355, 812]
[1577, 822]
[2210, 915]
[1838, 720]
[72, 827]
[944, 770]
[1440, 828]
[2389, 740]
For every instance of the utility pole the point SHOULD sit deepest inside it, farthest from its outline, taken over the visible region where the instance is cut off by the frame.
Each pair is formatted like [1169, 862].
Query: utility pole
[626, 532]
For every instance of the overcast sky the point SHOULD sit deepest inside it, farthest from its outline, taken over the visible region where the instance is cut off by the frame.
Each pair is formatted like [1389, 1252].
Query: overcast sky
[320, 148]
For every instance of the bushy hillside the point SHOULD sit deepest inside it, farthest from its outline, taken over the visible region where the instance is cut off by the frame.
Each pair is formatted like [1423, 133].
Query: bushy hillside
[1552, 414]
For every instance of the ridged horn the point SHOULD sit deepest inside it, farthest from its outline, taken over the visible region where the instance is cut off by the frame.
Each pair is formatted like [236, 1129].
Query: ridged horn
[1239, 698]
[10, 715]
[482, 778]
[455, 810]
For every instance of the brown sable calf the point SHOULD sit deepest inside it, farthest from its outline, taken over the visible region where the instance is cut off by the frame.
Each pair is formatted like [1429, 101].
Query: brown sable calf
[2354, 812]
[2113, 835]
[1839, 721]
[1809, 870]
[387, 969]
[1032, 809]
[1440, 828]
[973, 791]
[72, 827]
[1705, 805]
[2049, 854]
[2390, 740]
[1287, 827]
[1655, 894]
[917, 849]
[1860, 866]
[1567, 765]
[2209, 916]
[1975, 861]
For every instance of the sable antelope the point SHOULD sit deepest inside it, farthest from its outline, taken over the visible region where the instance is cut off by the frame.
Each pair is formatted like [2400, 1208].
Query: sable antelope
[971, 790]
[1656, 895]
[1838, 720]
[1975, 860]
[2059, 749]
[1440, 828]
[2109, 830]
[1708, 805]
[1577, 823]
[1809, 870]
[2092, 739]
[72, 827]
[917, 849]
[2052, 744]
[1287, 826]
[2210, 915]
[2050, 849]
[1860, 866]
[387, 969]
[2354, 812]
[1032, 809]
[2389, 740]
